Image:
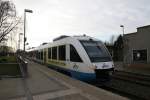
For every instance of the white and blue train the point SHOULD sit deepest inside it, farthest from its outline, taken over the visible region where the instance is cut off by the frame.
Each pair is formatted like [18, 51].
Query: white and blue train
[81, 57]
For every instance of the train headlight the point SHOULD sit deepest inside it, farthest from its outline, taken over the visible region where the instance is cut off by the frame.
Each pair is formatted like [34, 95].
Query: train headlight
[93, 67]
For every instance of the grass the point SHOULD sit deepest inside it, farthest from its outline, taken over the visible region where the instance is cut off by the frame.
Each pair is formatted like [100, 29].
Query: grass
[9, 66]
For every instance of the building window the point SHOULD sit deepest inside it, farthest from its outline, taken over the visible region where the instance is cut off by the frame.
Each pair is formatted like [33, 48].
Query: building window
[140, 55]
[49, 53]
[54, 52]
[74, 56]
[62, 52]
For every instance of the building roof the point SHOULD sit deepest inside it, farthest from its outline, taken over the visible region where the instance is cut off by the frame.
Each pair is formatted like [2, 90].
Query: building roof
[134, 33]
[144, 26]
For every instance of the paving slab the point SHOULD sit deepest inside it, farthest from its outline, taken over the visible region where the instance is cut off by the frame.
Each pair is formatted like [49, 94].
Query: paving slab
[39, 83]
[11, 88]
[71, 97]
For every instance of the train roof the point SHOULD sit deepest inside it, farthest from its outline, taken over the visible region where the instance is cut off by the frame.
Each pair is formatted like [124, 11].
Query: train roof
[64, 38]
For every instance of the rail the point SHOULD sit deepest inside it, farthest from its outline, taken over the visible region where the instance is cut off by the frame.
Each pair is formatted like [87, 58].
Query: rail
[133, 77]
[135, 73]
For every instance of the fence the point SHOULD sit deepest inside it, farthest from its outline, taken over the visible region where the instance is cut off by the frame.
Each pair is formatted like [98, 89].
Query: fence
[23, 66]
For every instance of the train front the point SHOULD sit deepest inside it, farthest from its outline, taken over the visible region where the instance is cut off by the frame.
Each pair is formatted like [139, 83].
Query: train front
[100, 58]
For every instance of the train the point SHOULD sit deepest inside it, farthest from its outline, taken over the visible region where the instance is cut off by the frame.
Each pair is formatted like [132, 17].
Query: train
[81, 57]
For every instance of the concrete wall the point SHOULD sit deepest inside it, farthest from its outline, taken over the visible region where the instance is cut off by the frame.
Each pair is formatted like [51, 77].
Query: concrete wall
[137, 41]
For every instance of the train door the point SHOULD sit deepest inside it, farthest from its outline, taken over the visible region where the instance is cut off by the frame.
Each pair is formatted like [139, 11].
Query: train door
[75, 62]
[68, 55]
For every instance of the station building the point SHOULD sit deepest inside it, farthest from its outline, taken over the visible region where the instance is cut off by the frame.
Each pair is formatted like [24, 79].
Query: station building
[137, 46]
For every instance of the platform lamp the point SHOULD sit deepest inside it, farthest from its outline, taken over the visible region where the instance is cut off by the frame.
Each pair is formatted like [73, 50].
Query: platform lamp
[122, 29]
[122, 26]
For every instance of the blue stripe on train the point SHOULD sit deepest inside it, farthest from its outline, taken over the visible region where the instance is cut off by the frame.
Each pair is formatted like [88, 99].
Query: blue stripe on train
[75, 74]
[83, 76]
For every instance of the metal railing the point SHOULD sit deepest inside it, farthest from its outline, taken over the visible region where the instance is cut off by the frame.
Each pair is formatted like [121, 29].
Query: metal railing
[23, 64]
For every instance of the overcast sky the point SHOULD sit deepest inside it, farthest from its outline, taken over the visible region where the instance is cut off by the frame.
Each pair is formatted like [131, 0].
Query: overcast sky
[96, 18]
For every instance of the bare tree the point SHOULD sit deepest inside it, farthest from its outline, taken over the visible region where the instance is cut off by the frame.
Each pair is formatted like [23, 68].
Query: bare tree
[8, 19]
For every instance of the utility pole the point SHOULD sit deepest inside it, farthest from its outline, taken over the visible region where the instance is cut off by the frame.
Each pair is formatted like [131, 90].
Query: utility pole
[29, 11]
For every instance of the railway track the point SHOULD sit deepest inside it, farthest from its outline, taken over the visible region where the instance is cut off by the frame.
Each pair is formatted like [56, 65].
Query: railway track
[132, 77]
[128, 84]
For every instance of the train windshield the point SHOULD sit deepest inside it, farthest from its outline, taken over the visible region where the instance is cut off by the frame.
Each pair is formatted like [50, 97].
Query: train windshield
[96, 51]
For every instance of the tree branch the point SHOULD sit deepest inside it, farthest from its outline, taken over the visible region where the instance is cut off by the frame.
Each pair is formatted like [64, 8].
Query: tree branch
[7, 23]
[8, 30]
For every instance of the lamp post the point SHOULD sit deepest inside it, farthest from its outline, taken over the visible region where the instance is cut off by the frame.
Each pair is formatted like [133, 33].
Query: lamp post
[122, 26]
[29, 11]
[122, 29]
[19, 40]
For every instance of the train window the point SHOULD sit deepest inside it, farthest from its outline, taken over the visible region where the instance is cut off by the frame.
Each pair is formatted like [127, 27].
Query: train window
[74, 56]
[36, 53]
[54, 52]
[62, 52]
[41, 55]
[96, 51]
[49, 53]
[140, 55]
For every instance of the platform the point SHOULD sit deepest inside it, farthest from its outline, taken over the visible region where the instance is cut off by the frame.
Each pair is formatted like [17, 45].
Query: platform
[46, 84]
[134, 68]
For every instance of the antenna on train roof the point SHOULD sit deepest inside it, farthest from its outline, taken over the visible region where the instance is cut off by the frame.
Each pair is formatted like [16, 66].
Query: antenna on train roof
[44, 43]
[60, 37]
